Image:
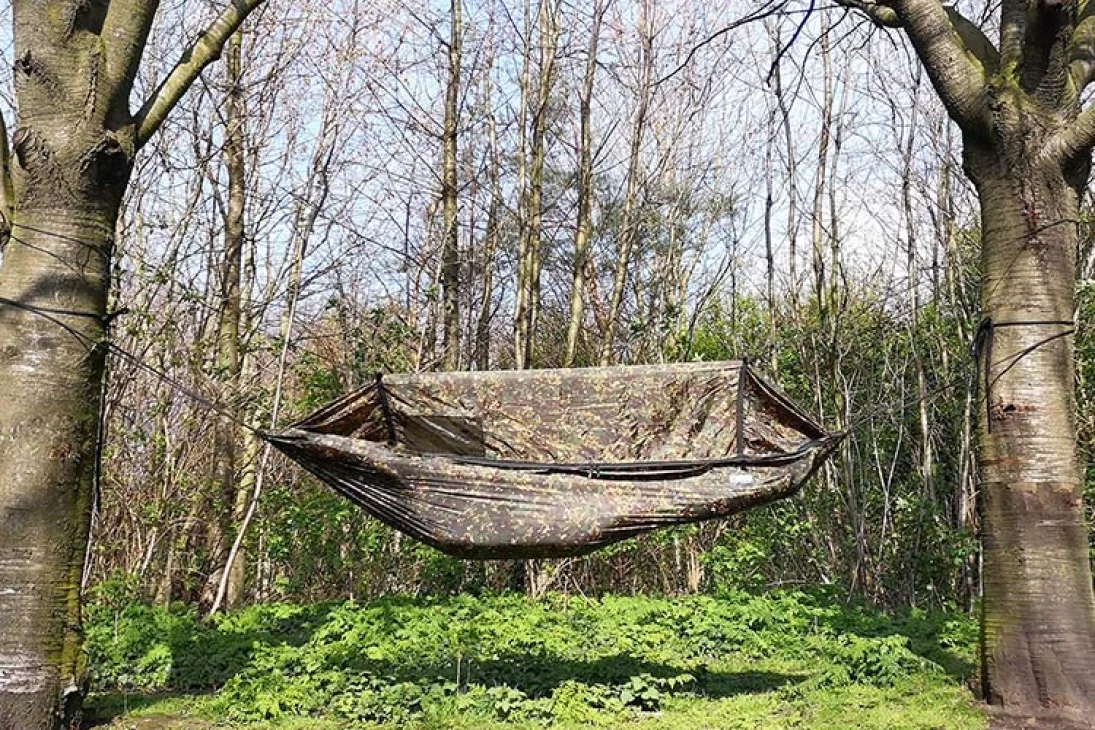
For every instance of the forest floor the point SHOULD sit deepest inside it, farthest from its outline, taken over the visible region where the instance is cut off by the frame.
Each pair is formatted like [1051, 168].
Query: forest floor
[766, 662]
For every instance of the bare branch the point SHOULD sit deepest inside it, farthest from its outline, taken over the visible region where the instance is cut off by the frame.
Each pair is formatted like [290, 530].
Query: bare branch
[206, 49]
[770, 8]
[794, 36]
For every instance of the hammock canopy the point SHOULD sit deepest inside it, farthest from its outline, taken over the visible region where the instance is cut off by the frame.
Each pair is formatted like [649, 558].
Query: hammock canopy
[551, 463]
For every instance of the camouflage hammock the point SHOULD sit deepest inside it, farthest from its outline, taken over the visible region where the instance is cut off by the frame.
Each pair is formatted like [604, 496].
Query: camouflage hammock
[550, 463]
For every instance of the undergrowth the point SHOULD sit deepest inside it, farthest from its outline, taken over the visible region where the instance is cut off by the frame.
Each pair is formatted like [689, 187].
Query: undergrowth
[795, 657]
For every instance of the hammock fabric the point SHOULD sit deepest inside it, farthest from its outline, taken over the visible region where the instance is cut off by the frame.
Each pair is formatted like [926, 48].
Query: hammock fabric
[551, 463]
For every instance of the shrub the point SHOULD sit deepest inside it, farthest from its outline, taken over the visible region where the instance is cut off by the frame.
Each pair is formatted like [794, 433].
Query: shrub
[508, 657]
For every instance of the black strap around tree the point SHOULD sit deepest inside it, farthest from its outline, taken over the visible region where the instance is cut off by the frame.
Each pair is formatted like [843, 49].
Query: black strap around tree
[984, 341]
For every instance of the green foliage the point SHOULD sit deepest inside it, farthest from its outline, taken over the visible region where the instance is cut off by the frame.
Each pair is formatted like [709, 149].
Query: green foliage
[1085, 390]
[871, 520]
[559, 661]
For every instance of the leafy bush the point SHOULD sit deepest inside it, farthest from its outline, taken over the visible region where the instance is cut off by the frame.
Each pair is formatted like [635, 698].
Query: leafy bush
[561, 659]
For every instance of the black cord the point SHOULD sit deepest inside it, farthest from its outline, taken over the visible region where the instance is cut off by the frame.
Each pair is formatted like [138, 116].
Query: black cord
[107, 319]
[984, 342]
[193, 395]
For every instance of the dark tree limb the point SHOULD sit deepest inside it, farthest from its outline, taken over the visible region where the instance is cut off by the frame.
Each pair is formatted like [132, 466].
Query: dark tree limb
[1013, 28]
[7, 191]
[1047, 44]
[769, 9]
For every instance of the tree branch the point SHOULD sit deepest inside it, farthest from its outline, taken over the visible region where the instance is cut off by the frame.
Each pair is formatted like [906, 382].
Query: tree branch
[770, 8]
[206, 49]
[1082, 52]
[881, 15]
[1074, 139]
[957, 70]
[1047, 52]
[125, 33]
[1013, 27]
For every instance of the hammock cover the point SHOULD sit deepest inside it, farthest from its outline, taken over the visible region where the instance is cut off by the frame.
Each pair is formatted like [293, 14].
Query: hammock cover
[551, 463]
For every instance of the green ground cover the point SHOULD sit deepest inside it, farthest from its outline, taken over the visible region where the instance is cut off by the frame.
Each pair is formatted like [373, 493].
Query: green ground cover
[778, 660]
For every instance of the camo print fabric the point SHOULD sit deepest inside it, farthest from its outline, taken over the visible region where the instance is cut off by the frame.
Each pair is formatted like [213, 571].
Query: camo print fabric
[550, 463]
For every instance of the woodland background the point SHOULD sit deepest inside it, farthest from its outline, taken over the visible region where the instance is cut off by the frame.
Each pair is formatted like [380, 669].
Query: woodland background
[384, 186]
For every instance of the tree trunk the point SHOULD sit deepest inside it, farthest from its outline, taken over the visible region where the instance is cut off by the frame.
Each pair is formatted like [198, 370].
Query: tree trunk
[817, 222]
[531, 258]
[74, 151]
[229, 359]
[628, 230]
[490, 248]
[584, 234]
[450, 252]
[54, 284]
[521, 334]
[69, 171]
[481, 355]
[1038, 616]
[791, 170]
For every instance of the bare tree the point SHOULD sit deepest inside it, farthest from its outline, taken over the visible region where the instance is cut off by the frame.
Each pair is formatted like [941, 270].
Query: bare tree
[629, 222]
[450, 274]
[492, 234]
[583, 237]
[229, 357]
[532, 214]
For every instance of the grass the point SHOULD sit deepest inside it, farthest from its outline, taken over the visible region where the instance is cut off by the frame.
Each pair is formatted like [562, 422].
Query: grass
[774, 661]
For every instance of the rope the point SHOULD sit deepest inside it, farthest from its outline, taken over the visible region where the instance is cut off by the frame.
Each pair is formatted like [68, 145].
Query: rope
[207, 403]
[984, 342]
[107, 319]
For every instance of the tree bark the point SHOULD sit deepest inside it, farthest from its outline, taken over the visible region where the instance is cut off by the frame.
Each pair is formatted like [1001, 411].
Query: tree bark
[53, 284]
[1038, 617]
[51, 366]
